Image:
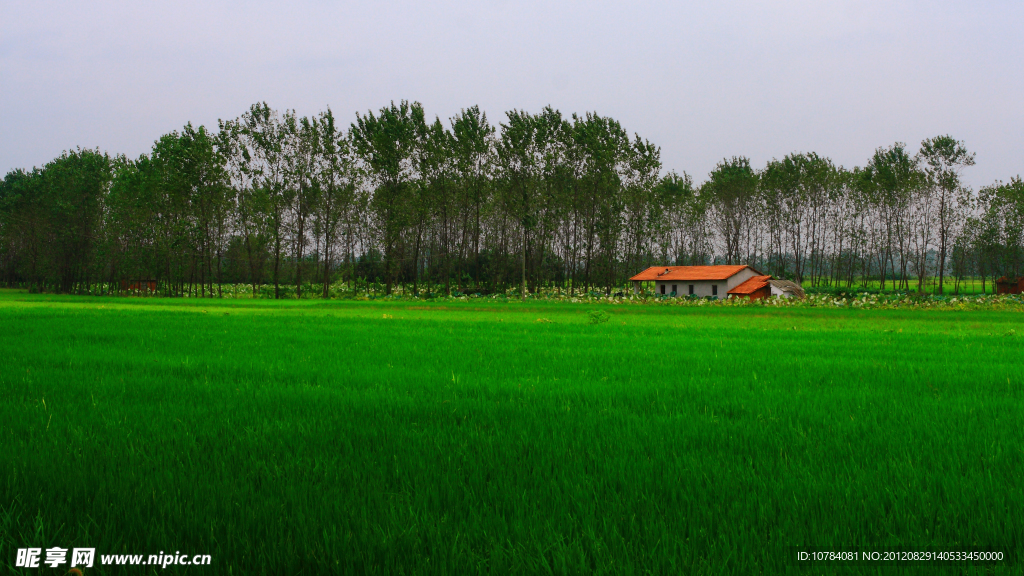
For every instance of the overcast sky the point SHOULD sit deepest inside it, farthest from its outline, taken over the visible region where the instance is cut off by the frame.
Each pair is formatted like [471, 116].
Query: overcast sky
[703, 80]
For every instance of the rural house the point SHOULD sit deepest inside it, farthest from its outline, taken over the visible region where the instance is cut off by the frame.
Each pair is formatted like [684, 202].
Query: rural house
[713, 281]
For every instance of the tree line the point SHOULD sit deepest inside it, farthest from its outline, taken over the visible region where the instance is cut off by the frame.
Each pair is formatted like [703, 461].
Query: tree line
[395, 201]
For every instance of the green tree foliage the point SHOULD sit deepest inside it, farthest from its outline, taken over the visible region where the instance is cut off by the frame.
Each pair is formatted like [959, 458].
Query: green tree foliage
[1002, 238]
[892, 176]
[339, 196]
[387, 144]
[731, 188]
[677, 228]
[945, 158]
[518, 158]
[474, 165]
[52, 221]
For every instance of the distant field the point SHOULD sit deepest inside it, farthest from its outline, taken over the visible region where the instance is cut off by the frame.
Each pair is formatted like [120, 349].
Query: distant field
[308, 437]
[931, 286]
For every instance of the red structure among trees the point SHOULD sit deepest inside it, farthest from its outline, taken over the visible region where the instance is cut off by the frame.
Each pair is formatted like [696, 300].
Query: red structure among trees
[1006, 286]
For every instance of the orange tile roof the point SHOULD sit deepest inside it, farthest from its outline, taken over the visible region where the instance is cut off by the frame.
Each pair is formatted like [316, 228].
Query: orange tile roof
[751, 285]
[684, 273]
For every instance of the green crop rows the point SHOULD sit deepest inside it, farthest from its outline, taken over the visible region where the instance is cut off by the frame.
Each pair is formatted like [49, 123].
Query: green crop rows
[357, 437]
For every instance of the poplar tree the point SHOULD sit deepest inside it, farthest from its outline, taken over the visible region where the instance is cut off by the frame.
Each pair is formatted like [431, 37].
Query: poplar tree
[387, 145]
[945, 158]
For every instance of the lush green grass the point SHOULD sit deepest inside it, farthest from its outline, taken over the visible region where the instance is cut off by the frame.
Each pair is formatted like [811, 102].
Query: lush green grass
[358, 437]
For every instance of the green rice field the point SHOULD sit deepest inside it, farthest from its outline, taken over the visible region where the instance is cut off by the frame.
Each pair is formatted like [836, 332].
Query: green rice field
[966, 286]
[307, 437]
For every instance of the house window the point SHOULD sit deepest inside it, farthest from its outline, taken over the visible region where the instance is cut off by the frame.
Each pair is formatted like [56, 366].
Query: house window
[691, 289]
[662, 288]
[675, 289]
[714, 289]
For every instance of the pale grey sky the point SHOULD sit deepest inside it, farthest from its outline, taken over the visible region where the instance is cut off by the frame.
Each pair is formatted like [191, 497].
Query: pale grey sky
[703, 80]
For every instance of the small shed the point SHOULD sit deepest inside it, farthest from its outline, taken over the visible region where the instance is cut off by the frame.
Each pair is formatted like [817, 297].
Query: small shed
[138, 285]
[754, 288]
[1006, 286]
[786, 289]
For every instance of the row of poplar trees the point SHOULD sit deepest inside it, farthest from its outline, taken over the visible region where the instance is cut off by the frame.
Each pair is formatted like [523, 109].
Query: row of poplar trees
[394, 201]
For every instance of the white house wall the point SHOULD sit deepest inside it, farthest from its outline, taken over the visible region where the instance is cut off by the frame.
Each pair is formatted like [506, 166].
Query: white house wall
[780, 293]
[740, 277]
[700, 287]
